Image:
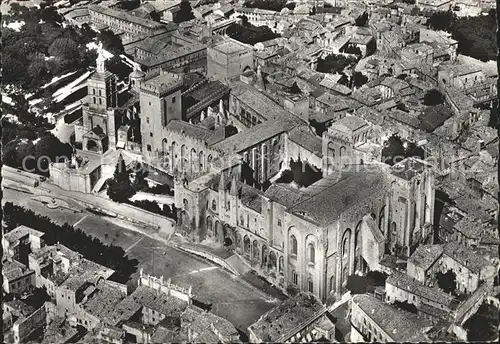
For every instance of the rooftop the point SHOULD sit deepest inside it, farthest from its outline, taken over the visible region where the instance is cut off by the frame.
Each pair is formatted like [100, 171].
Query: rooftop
[351, 123]
[159, 302]
[125, 16]
[466, 256]
[20, 232]
[409, 168]
[13, 270]
[306, 139]
[287, 316]
[190, 130]
[162, 81]
[103, 301]
[285, 194]
[19, 308]
[425, 256]
[204, 324]
[335, 198]
[231, 46]
[411, 285]
[400, 326]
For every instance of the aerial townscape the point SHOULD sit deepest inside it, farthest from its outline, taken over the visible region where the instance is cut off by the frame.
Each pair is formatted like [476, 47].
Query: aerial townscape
[247, 171]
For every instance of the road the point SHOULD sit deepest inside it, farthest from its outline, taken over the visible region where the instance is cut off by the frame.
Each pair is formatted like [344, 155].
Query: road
[213, 286]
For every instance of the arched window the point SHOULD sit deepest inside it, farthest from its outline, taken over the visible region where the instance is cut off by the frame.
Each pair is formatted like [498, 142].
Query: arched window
[100, 101]
[342, 154]
[312, 254]
[185, 202]
[93, 91]
[214, 205]
[345, 247]
[310, 285]
[95, 101]
[293, 243]
[242, 220]
[295, 277]
[332, 283]
[228, 207]
[100, 94]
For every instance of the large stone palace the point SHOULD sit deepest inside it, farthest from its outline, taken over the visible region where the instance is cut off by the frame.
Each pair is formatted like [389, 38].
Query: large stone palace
[313, 237]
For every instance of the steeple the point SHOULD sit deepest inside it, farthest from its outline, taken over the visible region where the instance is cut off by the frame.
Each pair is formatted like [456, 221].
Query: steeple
[222, 182]
[234, 186]
[100, 61]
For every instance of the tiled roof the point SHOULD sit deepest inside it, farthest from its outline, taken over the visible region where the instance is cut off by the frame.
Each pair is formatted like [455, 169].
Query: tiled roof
[125, 16]
[13, 270]
[411, 285]
[257, 134]
[326, 206]
[191, 130]
[20, 232]
[286, 316]
[285, 194]
[304, 138]
[102, 303]
[426, 255]
[352, 123]
[466, 256]
[400, 325]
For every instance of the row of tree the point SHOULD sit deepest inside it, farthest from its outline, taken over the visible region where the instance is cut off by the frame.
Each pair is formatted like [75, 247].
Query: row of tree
[113, 257]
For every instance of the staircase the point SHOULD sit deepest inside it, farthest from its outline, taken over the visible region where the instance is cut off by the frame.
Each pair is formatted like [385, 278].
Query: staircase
[238, 264]
[98, 186]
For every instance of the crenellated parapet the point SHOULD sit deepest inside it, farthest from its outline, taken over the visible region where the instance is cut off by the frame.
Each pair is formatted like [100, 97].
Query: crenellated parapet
[161, 83]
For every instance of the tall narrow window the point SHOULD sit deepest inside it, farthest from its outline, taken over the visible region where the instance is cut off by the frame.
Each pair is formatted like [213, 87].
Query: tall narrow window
[293, 243]
[295, 277]
[312, 253]
[310, 285]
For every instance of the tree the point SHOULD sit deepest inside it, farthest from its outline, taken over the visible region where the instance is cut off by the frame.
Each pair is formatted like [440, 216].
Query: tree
[362, 20]
[447, 281]
[272, 5]
[185, 12]
[483, 326]
[119, 187]
[393, 150]
[442, 20]
[376, 278]
[250, 34]
[140, 183]
[110, 42]
[433, 97]
[116, 66]
[358, 79]
[64, 48]
[334, 63]
[357, 284]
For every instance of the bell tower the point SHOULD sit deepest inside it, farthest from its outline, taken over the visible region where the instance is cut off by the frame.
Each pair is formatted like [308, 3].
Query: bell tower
[337, 152]
[99, 131]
